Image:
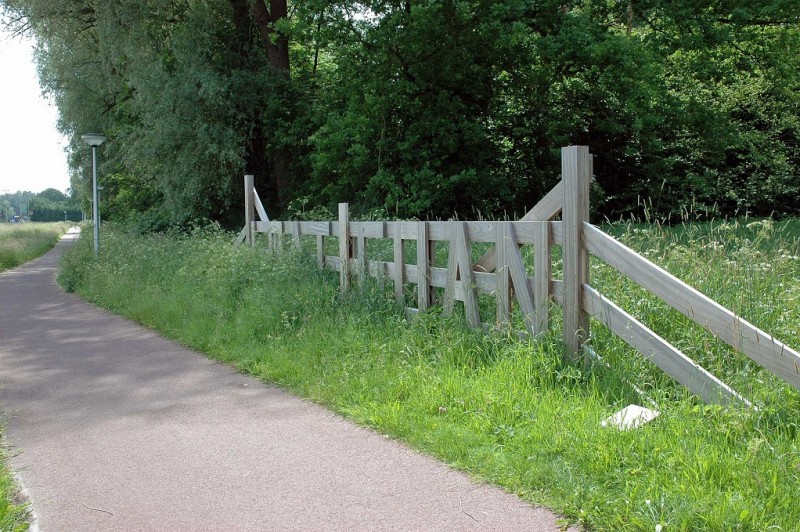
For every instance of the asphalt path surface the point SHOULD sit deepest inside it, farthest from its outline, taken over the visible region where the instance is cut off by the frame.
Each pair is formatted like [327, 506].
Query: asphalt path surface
[112, 427]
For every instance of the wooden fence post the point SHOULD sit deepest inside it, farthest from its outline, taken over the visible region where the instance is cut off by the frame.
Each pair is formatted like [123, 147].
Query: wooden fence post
[502, 276]
[399, 264]
[423, 267]
[361, 257]
[249, 208]
[321, 251]
[576, 172]
[344, 248]
[295, 230]
[542, 277]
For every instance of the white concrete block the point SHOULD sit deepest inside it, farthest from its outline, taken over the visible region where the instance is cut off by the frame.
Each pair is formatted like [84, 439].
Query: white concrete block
[630, 417]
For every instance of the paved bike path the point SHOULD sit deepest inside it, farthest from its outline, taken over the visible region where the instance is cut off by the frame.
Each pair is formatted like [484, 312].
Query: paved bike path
[113, 427]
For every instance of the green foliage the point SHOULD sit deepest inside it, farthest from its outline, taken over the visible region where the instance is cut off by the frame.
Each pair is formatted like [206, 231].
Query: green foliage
[505, 410]
[52, 205]
[426, 108]
[13, 513]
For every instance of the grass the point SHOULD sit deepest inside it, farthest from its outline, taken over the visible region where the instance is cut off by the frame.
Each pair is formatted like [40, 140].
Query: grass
[13, 512]
[22, 242]
[505, 410]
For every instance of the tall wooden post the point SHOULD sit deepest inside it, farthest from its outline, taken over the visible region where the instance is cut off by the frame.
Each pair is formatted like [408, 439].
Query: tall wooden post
[399, 264]
[542, 277]
[503, 277]
[576, 172]
[423, 267]
[249, 208]
[344, 247]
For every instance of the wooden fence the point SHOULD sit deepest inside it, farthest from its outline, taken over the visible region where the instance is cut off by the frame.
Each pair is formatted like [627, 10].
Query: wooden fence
[501, 273]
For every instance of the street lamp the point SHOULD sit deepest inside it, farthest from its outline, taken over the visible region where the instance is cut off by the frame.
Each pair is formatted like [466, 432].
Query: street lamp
[94, 140]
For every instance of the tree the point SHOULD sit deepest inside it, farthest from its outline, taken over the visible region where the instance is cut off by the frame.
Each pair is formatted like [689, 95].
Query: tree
[421, 107]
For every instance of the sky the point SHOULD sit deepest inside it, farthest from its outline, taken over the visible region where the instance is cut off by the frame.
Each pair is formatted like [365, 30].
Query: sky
[32, 153]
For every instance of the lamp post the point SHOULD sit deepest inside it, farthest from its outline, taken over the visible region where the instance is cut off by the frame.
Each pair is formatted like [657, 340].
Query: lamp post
[94, 140]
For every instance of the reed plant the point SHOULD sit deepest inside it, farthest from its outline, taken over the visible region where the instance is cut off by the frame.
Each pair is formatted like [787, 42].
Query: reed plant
[504, 409]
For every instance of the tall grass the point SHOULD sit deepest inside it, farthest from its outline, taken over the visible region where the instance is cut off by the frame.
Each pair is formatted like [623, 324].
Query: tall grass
[508, 411]
[22, 242]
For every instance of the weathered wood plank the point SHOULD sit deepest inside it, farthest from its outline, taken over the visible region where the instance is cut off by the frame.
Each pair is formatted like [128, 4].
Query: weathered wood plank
[344, 247]
[408, 230]
[423, 267]
[557, 232]
[576, 169]
[278, 229]
[452, 276]
[262, 212]
[294, 230]
[484, 282]
[519, 277]
[399, 264]
[680, 367]
[557, 291]
[333, 262]
[548, 207]
[502, 275]
[320, 252]
[412, 273]
[249, 210]
[377, 269]
[439, 231]
[240, 238]
[459, 266]
[316, 228]
[463, 247]
[368, 229]
[760, 346]
[476, 231]
[542, 273]
[361, 252]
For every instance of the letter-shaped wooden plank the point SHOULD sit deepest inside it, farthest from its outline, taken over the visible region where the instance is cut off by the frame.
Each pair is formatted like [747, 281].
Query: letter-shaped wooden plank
[542, 273]
[399, 264]
[502, 275]
[423, 267]
[344, 247]
[518, 276]
[459, 265]
[248, 208]
[547, 208]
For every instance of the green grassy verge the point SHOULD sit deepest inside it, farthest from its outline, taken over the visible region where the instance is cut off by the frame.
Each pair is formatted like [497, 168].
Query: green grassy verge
[13, 512]
[503, 409]
[20, 243]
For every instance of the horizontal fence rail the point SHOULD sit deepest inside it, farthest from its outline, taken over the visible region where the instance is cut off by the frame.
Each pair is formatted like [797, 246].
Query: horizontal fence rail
[501, 272]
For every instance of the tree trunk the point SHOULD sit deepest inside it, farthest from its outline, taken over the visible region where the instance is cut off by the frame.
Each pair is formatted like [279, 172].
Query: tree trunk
[270, 167]
[277, 45]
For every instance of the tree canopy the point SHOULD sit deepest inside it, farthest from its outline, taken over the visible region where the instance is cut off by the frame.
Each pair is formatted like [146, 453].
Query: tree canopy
[425, 108]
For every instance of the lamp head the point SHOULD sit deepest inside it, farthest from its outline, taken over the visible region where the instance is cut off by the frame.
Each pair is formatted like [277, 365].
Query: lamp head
[93, 139]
